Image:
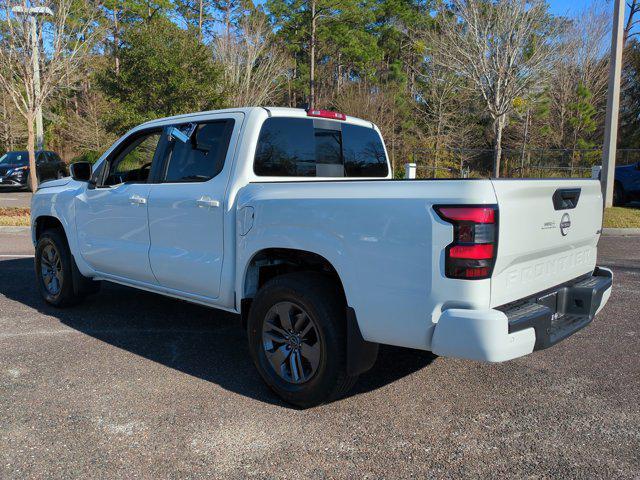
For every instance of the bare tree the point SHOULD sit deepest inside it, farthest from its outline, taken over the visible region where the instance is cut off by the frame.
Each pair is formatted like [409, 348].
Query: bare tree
[81, 127]
[12, 129]
[439, 92]
[375, 104]
[632, 21]
[582, 61]
[67, 39]
[254, 66]
[501, 47]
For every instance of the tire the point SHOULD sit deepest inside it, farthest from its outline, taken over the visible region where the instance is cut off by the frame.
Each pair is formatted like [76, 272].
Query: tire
[317, 297]
[54, 258]
[619, 196]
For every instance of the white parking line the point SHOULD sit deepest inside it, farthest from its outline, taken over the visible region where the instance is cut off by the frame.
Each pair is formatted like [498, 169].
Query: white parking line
[16, 256]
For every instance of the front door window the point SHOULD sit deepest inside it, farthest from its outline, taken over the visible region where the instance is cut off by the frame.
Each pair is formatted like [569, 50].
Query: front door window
[133, 163]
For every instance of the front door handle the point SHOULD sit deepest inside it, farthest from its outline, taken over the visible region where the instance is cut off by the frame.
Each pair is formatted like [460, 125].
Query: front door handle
[207, 202]
[137, 200]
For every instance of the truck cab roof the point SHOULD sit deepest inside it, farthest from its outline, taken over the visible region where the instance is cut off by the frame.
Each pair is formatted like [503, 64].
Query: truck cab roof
[270, 111]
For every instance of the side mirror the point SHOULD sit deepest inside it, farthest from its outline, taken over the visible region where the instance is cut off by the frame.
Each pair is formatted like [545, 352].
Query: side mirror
[638, 166]
[80, 171]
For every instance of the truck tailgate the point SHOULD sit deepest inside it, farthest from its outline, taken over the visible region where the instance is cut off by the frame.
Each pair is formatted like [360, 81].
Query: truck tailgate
[548, 233]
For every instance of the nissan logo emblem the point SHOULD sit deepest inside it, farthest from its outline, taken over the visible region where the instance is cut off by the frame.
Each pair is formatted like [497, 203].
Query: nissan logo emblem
[565, 224]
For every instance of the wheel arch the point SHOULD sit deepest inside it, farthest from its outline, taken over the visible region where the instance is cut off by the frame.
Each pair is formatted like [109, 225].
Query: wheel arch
[268, 263]
[46, 222]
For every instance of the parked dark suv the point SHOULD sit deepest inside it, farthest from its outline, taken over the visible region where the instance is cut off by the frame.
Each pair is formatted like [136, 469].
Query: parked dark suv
[627, 185]
[14, 168]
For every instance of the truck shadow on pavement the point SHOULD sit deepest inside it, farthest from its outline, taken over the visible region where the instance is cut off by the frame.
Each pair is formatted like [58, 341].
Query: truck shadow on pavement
[205, 343]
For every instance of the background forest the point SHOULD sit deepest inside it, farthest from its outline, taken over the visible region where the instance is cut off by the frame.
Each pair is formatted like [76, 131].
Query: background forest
[422, 70]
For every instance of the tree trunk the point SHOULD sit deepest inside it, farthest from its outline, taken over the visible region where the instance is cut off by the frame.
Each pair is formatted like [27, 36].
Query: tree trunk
[31, 148]
[498, 126]
[116, 42]
[312, 57]
[633, 9]
[339, 73]
[524, 142]
[200, 10]
[437, 144]
[7, 127]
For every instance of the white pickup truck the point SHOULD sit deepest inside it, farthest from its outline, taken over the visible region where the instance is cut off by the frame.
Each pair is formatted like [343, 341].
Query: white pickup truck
[292, 220]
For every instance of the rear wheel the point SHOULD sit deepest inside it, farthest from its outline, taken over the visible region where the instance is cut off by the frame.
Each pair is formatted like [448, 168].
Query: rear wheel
[297, 338]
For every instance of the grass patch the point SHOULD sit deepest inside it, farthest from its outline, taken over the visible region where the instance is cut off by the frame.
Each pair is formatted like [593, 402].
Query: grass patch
[14, 217]
[621, 217]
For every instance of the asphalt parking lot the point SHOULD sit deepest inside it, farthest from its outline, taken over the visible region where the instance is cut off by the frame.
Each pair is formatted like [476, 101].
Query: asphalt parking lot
[12, 198]
[131, 384]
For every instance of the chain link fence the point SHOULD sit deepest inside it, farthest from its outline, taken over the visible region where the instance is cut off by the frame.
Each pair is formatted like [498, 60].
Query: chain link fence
[516, 163]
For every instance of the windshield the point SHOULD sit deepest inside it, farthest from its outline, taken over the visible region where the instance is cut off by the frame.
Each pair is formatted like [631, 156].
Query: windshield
[15, 158]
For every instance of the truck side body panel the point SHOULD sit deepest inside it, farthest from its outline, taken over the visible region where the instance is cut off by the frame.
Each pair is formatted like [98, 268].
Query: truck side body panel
[384, 240]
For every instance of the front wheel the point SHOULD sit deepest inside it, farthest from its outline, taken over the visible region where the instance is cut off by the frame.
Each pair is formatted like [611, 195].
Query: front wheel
[53, 264]
[297, 338]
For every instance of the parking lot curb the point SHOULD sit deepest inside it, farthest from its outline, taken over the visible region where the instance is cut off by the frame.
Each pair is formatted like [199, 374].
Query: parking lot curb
[621, 232]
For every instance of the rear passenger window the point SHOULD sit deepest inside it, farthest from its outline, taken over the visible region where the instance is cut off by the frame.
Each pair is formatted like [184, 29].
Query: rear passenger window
[363, 152]
[301, 147]
[202, 158]
[286, 148]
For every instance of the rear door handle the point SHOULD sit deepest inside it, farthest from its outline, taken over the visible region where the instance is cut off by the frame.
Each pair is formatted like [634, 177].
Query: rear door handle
[137, 200]
[207, 202]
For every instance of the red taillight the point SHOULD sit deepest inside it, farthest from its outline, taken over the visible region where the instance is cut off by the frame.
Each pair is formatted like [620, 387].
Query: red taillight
[472, 253]
[468, 214]
[326, 114]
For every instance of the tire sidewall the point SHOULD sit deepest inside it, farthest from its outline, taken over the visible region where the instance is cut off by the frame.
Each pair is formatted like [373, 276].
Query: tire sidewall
[53, 237]
[311, 300]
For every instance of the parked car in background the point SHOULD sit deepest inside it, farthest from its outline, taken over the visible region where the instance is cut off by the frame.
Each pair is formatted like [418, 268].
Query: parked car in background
[627, 184]
[292, 220]
[14, 168]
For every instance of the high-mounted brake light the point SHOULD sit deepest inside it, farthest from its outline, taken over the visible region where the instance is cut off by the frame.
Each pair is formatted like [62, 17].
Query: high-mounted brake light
[472, 253]
[326, 114]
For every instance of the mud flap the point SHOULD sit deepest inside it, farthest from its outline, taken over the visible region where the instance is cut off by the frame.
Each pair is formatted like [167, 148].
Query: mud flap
[361, 355]
[81, 284]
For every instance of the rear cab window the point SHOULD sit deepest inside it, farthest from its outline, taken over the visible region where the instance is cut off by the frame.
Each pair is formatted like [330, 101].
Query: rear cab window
[304, 147]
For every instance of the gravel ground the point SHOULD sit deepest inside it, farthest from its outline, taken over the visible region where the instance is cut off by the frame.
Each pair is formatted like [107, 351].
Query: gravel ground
[131, 384]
